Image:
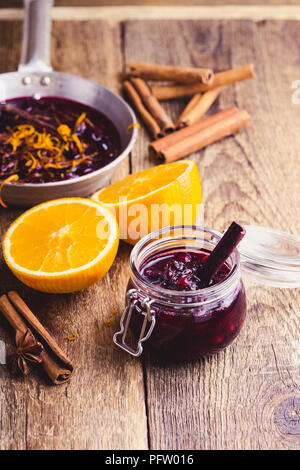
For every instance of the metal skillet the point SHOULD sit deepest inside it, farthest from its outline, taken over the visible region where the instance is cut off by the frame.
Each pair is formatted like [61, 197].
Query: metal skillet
[36, 78]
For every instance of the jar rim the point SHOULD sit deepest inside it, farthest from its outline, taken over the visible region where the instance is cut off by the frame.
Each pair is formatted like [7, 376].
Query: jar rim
[215, 290]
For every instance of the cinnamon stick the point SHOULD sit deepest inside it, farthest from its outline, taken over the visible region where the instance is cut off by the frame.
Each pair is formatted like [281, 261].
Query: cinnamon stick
[153, 105]
[155, 148]
[170, 73]
[221, 252]
[55, 363]
[224, 127]
[194, 111]
[9, 108]
[193, 102]
[146, 117]
[167, 92]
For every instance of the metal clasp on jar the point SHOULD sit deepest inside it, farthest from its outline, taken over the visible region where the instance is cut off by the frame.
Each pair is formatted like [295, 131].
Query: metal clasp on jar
[143, 306]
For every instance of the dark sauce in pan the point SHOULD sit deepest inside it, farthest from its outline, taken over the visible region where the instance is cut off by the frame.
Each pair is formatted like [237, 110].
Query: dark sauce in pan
[53, 139]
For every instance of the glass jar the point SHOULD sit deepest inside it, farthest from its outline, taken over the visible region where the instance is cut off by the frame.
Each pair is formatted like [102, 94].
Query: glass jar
[189, 324]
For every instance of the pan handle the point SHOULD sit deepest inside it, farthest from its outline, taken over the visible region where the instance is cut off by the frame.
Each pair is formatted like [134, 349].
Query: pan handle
[35, 54]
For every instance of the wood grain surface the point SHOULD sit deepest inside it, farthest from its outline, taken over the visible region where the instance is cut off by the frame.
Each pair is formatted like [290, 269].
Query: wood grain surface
[246, 397]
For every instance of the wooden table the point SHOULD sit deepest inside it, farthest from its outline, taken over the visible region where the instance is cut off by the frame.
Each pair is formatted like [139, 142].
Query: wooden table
[246, 397]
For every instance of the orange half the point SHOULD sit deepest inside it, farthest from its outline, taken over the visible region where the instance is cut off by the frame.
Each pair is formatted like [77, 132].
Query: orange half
[63, 245]
[161, 196]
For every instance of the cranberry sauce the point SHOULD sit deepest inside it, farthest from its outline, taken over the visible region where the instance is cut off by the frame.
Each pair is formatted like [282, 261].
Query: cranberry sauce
[180, 271]
[188, 327]
[64, 139]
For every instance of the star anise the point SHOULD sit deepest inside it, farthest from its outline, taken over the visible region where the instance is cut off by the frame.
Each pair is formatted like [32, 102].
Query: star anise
[27, 350]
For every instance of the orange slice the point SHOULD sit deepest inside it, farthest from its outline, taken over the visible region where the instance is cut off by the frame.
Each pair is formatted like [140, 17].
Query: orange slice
[161, 196]
[63, 245]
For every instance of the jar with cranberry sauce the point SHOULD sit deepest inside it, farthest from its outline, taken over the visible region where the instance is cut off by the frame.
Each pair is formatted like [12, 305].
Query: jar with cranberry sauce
[168, 309]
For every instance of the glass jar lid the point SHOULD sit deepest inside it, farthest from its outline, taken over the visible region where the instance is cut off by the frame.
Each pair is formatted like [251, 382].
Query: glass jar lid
[270, 257]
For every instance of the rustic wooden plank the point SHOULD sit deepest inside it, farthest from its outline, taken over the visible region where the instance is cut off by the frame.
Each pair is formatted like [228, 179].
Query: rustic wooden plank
[246, 397]
[166, 11]
[76, 3]
[103, 406]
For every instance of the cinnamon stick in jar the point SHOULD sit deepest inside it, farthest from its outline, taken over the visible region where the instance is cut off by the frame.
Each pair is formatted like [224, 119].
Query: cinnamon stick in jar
[167, 92]
[156, 147]
[146, 117]
[193, 112]
[170, 73]
[223, 128]
[153, 105]
[55, 363]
